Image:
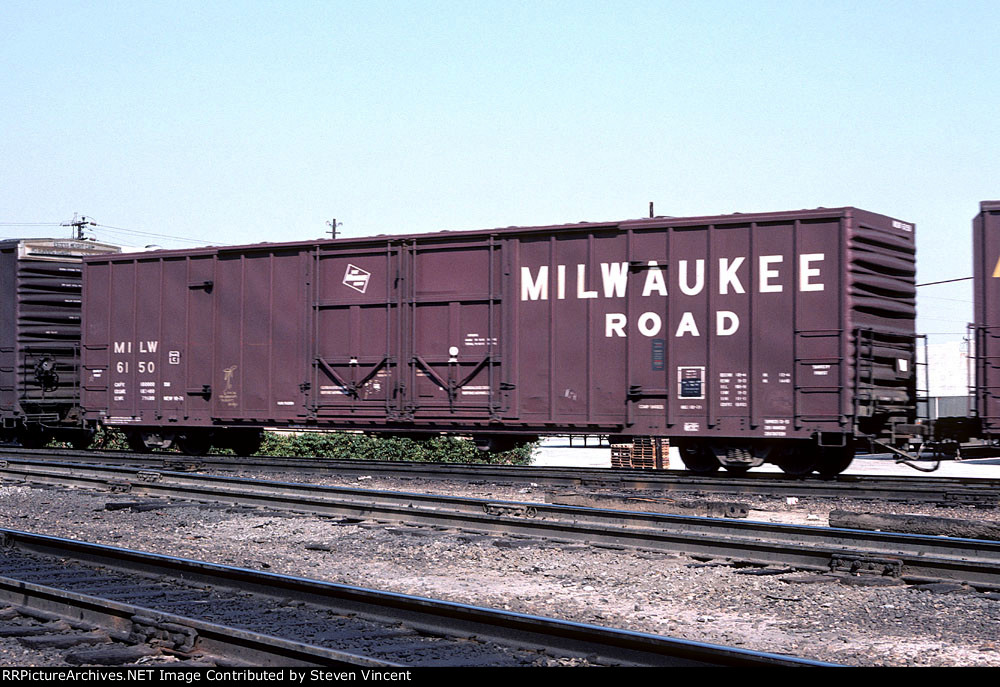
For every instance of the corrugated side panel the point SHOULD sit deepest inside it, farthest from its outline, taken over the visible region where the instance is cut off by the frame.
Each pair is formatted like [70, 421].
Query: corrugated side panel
[95, 339]
[572, 290]
[198, 338]
[260, 371]
[986, 273]
[730, 327]
[149, 339]
[110, 382]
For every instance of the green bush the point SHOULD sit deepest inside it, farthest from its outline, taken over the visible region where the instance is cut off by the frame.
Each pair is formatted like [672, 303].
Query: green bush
[106, 439]
[349, 446]
[110, 439]
[352, 446]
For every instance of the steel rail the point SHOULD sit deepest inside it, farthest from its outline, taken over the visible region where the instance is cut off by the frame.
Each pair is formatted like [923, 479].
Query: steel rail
[215, 640]
[915, 558]
[520, 632]
[972, 490]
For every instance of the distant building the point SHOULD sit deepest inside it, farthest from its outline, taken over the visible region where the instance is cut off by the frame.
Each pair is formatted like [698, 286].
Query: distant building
[949, 377]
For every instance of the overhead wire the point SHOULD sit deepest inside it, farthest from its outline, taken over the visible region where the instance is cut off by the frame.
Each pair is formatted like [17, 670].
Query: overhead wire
[153, 235]
[111, 230]
[952, 300]
[945, 281]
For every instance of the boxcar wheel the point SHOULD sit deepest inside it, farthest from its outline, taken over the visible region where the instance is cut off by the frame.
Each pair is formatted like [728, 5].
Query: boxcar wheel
[194, 444]
[137, 442]
[31, 438]
[798, 461]
[246, 442]
[833, 460]
[698, 458]
[81, 441]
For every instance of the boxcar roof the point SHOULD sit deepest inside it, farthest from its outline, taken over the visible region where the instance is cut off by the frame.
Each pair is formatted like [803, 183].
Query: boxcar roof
[638, 223]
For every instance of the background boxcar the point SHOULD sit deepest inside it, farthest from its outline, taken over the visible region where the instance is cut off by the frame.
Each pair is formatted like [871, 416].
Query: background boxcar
[743, 338]
[986, 318]
[40, 310]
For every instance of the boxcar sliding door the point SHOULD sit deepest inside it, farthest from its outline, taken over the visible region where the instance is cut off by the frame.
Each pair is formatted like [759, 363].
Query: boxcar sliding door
[356, 340]
[452, 329]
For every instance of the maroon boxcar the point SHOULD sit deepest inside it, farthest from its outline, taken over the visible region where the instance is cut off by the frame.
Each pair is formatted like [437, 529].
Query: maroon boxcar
[986, 318]
[744, 338]
[40, 338]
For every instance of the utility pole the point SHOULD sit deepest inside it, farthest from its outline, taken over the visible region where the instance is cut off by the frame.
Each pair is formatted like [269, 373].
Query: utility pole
[333, 224]
[78, 225]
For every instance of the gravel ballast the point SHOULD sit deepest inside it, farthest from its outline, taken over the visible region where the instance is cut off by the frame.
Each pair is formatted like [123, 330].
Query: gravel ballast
[842, 620]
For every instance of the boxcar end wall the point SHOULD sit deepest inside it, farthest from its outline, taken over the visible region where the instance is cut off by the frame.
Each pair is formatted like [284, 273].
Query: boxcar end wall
[40, 311]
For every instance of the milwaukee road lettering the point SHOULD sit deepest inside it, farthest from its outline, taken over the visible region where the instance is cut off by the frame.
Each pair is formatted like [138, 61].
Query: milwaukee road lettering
[733, 275]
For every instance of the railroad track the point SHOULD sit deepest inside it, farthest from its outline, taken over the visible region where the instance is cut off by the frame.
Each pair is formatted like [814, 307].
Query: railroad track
[112, 604]
[913, 558]
[915, 489]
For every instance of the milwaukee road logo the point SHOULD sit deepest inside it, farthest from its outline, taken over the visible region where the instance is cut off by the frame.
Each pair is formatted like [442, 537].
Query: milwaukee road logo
[735, 275]
[357, 278]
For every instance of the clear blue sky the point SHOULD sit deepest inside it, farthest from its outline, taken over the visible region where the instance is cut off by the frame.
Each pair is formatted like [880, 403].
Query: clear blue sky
[237, 122]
